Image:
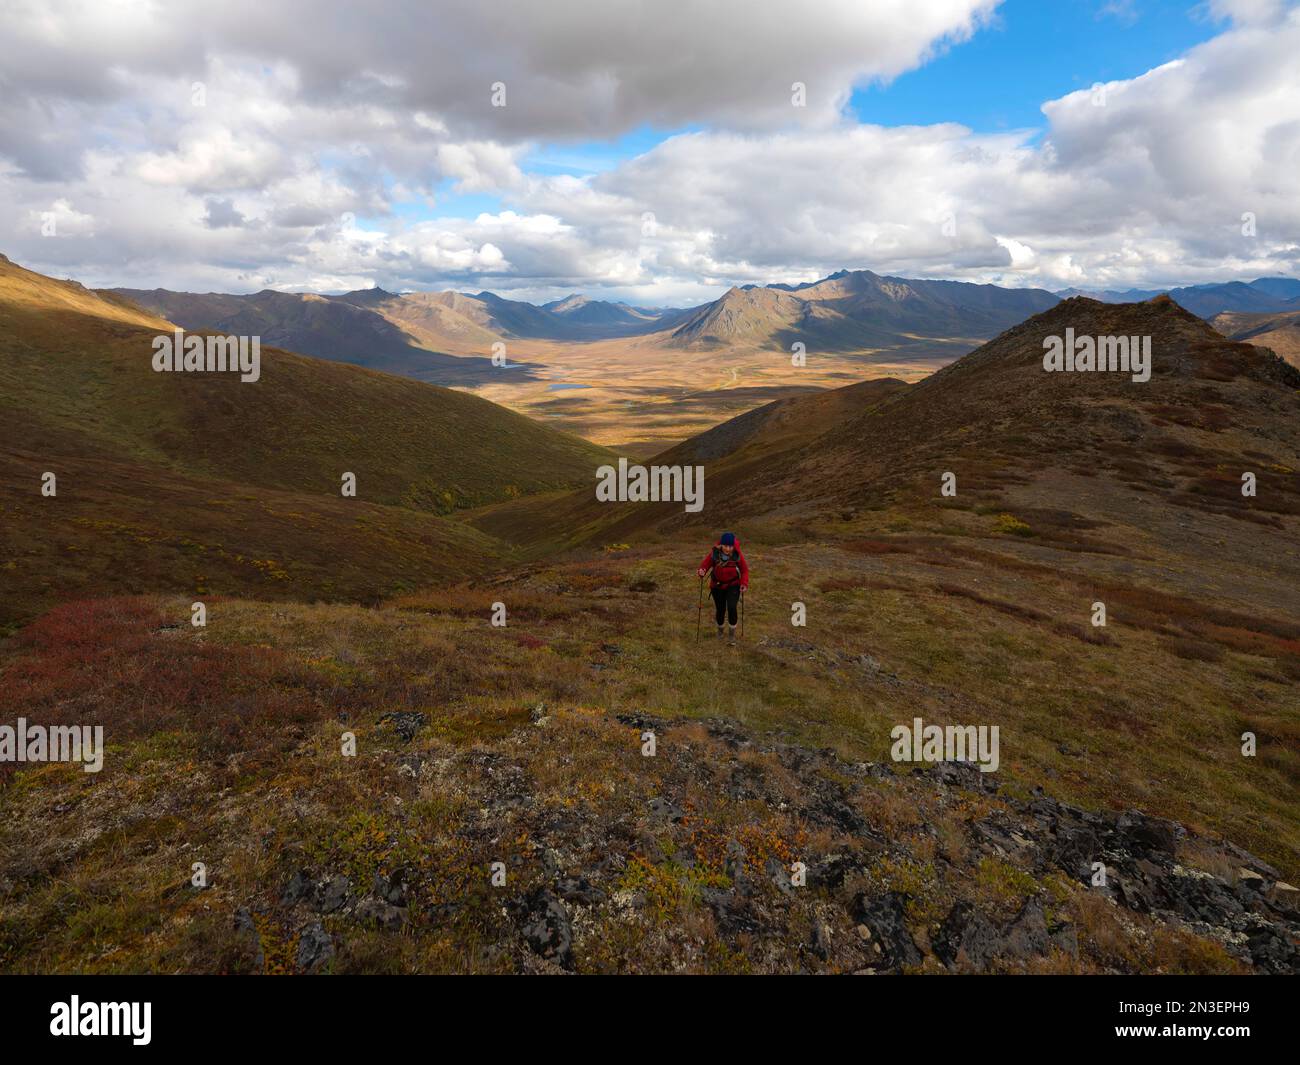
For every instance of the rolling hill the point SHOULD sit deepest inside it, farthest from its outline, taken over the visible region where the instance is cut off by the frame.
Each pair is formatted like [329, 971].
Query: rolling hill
[770, 436]
[848, 311]
[175, 480]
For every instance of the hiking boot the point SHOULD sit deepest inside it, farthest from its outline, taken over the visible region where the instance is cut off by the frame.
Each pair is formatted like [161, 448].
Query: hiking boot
[731, 633]
[719, 632]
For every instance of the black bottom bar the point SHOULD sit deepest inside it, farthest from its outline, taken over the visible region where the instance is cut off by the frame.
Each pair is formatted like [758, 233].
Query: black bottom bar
[334, 1014]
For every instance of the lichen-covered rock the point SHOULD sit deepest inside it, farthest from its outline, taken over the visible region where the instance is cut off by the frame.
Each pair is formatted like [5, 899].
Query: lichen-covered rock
[315, 948]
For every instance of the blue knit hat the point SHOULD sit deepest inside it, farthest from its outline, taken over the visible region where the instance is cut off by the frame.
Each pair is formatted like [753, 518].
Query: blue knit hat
[728, 539]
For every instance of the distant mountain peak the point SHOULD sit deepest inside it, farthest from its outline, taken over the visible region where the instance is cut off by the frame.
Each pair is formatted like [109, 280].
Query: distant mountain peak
[572, 302]
[856, 310]
[374, 294]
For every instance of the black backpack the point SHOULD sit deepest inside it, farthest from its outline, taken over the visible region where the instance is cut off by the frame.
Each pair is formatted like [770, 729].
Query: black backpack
[719, 559]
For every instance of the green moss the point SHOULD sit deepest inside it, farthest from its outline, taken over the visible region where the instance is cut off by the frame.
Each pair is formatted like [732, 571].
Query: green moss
[670, 889]
[1004, 884]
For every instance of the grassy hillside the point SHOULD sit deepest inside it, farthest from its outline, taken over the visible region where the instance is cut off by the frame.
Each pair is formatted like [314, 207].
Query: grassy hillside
[1210, 406]
[129, 527]
[151, 465]
[299, 427]
[523, 746]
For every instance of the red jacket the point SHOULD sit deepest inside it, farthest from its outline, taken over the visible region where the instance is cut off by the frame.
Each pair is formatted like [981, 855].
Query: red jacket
[729, 572]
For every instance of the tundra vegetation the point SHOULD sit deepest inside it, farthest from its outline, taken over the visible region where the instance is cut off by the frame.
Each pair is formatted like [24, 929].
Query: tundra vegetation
[500, 812]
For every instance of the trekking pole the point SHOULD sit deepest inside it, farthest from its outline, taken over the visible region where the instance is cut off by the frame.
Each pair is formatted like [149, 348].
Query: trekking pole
[699, 611]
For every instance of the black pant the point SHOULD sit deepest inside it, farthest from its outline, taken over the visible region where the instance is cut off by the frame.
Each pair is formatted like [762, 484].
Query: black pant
[725, 599]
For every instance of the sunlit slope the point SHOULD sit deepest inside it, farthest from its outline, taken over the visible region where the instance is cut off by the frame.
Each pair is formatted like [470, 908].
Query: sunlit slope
[1279, 331]
[75, 365]
[202, 481]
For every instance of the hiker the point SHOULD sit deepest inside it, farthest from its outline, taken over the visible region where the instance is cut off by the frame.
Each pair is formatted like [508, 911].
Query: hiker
[729, 577]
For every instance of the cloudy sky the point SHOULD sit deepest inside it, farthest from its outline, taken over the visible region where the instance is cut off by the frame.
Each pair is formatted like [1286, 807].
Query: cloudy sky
[654, 152]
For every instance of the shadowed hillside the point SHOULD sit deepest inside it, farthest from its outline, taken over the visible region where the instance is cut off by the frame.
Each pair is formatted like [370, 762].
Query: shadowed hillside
[997, 414]
[751, 445]
[356, 328]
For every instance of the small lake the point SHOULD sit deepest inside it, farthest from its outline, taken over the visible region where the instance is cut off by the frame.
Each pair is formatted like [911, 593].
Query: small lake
[561, 388]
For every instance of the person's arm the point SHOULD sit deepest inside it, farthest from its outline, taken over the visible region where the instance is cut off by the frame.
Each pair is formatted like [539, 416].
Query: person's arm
[744, 570]
[706, 565]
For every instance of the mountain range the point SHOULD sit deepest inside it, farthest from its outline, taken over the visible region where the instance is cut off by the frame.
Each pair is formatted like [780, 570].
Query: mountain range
[412, 334]
[1265, 294]
[854, 311]
[848, 311]
[449, 337]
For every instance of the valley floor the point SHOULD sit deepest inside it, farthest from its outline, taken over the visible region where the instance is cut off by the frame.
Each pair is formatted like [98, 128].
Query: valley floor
[599, 389]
